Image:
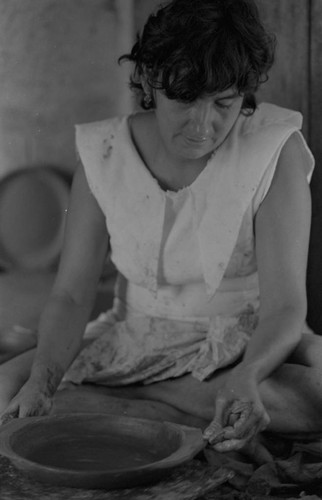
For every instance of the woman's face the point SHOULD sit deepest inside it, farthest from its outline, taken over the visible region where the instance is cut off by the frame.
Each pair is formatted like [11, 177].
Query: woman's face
[194, 130]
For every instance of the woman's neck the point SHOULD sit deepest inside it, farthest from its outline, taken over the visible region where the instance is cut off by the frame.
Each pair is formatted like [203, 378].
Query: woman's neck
[175, 173]
[171, 172]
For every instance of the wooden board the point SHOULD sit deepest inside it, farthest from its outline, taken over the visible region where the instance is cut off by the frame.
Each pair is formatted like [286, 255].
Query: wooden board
[316, 92]
[314, 278]
[288, 85]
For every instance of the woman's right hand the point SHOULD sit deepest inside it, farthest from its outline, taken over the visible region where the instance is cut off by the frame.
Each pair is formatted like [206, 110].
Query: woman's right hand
[30, 401]
[239, 413]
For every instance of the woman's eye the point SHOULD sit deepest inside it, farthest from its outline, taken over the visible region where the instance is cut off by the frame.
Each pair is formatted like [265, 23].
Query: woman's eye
[223, 105]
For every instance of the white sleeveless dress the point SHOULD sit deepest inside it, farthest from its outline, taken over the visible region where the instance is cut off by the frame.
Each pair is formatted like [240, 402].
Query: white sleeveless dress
[187, 295]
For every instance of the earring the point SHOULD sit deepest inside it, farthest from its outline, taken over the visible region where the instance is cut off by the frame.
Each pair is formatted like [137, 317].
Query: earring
[147, 99]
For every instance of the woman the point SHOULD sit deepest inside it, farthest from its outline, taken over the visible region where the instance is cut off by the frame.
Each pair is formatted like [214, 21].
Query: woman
[204, 203]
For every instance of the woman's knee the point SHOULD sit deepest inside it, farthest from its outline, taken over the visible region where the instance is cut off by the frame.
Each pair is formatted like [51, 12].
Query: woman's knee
[15, 340]
[309, 351]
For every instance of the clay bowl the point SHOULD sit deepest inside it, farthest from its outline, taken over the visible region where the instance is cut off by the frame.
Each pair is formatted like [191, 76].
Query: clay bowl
[33, 204]
[89, 450]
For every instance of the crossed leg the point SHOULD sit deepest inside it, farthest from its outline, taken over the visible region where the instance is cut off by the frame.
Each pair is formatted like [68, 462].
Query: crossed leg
[292, 395]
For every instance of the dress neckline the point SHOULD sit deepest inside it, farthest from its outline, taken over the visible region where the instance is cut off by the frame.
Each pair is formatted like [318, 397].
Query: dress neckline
[169, 192]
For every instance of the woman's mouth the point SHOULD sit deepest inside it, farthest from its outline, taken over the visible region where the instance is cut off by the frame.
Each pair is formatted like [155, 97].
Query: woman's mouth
[196, 139]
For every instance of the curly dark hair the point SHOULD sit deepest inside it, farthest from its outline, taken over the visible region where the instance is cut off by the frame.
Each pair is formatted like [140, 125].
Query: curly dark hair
[191, 48]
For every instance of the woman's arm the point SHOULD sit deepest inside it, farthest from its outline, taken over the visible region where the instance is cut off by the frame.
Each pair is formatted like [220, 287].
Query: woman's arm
[282, 229]
[63, 322]
[68, 309]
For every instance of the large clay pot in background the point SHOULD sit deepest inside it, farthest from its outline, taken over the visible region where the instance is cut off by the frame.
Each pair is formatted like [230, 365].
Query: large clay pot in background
[33, 206]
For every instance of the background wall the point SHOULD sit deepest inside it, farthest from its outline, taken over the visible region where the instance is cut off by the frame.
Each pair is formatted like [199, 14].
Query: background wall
[288, 85]
[58, 67]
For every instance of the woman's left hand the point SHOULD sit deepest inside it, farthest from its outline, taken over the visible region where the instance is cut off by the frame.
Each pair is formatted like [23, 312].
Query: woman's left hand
[239, 415]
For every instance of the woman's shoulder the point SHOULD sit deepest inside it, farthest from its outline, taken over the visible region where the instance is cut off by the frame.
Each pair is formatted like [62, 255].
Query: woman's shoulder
[101, 127]
[269, 115]
[265, 131]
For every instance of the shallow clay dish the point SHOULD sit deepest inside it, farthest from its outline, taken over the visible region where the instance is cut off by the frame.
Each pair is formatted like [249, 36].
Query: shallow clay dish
[97, 450]
[33, 204]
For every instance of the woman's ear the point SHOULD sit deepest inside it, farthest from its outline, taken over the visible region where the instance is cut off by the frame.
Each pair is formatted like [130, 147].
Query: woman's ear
[144, 82]
[147, 91]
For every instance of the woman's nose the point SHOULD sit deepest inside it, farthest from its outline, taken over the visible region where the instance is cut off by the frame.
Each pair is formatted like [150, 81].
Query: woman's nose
[201, 119]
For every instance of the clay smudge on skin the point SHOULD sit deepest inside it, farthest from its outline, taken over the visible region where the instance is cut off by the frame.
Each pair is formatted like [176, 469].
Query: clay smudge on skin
[108, 149]
[54, 375]
[7, 417]
[42, 407]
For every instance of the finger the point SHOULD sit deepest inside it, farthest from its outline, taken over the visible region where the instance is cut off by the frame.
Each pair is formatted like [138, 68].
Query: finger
[27, 411]
[229, 445]
[39, 408]
[245, 432]
[232, 419]
[246, 408]
[239, 418]
[244, 424]
[256, 422]
[248, 425]
[253, 449]
[239, 439]
[215, 431]
[240, 407]
[30, 410]
[9, 414]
